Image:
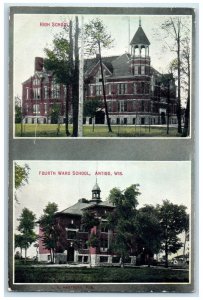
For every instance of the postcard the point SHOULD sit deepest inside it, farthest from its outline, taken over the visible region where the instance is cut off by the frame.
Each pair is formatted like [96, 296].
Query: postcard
[102, 149]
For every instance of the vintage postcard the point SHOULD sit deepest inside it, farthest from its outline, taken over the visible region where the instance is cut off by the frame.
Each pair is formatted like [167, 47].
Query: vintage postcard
[102, 73]
[102, 165]
[102, 226]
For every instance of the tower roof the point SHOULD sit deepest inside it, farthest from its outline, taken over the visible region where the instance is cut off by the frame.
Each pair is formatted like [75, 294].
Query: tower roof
[140, 37]
[96, 187]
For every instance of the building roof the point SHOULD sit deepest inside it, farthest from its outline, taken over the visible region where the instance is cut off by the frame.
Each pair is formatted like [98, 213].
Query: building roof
[140, 37]
[96, 187]
[91, 62]
[76, 209]
[100, 204]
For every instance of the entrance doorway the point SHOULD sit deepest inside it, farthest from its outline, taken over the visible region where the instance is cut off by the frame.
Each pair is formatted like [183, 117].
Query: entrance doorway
[99, 118]
[163, 118]
[142, 121]
[70, 254]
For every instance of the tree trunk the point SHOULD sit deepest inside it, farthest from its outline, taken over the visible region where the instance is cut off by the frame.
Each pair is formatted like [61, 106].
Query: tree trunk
[166, 254]
[25, 254]
[76, 82]
[186, 130]
[104, 92]
[179, 94]
[67, 109]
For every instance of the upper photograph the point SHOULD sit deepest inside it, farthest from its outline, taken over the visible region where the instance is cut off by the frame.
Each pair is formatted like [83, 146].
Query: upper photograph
[102, 75]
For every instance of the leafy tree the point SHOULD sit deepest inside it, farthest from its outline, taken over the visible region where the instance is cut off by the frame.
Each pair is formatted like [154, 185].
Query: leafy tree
[66, 69]
[149, 230]
[48, 227]
[173, 219]
[19, 242]
[174, 28]
[90, 109]
[55, 113]
[89, 220]
[58, 61]
[18, 113]
[21, 175]
[96, 37]
[122, 219]
[26, 229]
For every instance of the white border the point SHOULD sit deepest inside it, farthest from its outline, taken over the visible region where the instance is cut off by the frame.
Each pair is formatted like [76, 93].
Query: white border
[103, 283]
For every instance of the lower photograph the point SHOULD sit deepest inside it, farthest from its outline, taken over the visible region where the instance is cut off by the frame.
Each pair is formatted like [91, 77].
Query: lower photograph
[101, 226]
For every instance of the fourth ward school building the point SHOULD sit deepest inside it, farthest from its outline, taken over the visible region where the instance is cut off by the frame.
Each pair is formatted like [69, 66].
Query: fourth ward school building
[73, 236]
[136, 93]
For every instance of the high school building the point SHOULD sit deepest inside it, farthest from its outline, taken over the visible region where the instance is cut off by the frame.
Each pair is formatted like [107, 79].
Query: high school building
[136, 93]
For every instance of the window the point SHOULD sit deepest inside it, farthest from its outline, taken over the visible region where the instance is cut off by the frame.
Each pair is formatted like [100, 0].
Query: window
[104, 228]
[109, 106]
[98, 89]
[55, 91]
[122, 88]
[104, 244]
[45, 108]
[36, 93]
[46, 95]
[147, 88]
[142, 70]
[115, 259]
[142, 87]
[91, 90]
[71, 235]
[36, 81]
[109, 88]
[122, 105]
[136, 70]
[135, 88]
[104, 259]
[36, 109]
[27, 93]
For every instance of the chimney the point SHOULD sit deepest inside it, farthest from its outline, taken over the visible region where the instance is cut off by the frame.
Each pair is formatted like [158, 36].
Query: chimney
[39, 64]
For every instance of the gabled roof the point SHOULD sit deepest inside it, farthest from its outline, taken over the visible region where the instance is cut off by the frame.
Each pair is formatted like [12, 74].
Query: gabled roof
[140, 38]
[90, 63]
[121, 65]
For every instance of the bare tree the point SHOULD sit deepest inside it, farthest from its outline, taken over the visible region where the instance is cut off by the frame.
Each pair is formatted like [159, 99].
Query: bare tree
[175, 34]
[98, 38]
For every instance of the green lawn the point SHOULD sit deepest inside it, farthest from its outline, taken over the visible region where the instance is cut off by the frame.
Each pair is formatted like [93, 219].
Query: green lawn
[50, 130]
[42, 274]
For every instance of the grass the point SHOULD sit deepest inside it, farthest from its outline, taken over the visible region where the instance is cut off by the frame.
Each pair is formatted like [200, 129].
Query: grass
[50, 130]
[42, 274]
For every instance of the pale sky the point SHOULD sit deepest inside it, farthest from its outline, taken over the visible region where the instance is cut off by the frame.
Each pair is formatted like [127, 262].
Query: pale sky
[158, 181]
[30, 39]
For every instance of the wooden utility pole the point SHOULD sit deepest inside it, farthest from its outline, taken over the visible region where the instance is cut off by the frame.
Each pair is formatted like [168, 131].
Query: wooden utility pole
[81, 81]
[104, 92]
